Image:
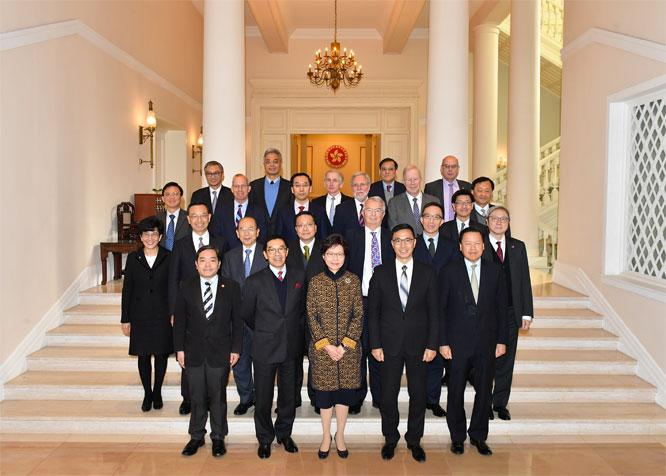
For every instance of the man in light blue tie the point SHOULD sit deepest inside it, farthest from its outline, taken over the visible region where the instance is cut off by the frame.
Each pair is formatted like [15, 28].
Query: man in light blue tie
[173, 217]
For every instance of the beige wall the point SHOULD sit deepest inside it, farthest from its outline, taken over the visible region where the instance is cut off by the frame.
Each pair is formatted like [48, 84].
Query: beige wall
[69, 144]
[590, 75]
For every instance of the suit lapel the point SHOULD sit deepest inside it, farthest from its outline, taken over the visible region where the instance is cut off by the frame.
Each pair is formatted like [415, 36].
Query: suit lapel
[466, 284]
[218, 300]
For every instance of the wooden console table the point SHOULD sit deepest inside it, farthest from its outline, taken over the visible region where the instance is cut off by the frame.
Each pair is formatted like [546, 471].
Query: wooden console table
[118, 249]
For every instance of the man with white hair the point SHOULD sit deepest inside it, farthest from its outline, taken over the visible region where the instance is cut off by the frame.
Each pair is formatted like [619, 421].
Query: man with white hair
[406, 208]
[348, 215]
[333, 181]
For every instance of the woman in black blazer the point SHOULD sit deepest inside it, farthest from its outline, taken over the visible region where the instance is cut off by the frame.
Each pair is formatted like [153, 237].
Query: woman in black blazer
[145, 314]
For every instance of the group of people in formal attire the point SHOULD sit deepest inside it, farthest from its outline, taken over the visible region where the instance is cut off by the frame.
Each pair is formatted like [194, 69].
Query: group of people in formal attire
[252, 278]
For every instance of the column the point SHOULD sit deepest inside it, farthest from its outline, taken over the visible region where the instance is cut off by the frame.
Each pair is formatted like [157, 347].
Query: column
[447, 102]
[523, 139]
[484, 150]
[224, 86]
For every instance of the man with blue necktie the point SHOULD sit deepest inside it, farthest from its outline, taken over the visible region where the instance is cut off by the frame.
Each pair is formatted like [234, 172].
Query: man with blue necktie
[173, 217]
[272, 191]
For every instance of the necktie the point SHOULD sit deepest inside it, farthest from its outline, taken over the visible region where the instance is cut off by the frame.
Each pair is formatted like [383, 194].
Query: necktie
[331, 212]
[475, 284]
[306, 252]
[417, 214]
[280, 275]
[431, 247]
[170, 233]
[361, 221]
[388, 188]
[239, 214]
[214, 200]
[483, 214]
[449, 205]
[375, 255]
[200, 242]
[208, 300]
[462, 226]
[499, 251]
[404, 288]
[247, 262]
[300, 208]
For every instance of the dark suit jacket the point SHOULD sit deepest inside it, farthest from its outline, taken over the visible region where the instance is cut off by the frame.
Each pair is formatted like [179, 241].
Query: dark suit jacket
[400, 332]
[203, 196]
[296, 259]
[182, 266]
[285, 221]
[233, 266]
[346, 217]
[356, 245]
[208, 340]
[435, 188]
[445, 252]
[258, 197]
[400, 210]
[183, 228]
[467, 326]
[377, 190]
[321, 202]
[451, 232]
[224, 221]
[278, 336]
[144, 295]
[515, 257]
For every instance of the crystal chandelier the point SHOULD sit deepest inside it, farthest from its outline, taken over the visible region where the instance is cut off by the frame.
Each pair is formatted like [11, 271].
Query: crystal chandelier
[335, 67]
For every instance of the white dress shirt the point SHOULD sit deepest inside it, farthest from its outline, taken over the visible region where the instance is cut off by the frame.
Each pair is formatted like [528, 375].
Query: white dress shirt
[477, 271]
[243, 208]
[367, 260]
[309, 245]
[213, 287]
[408, 271]
[306, 206]
[175, 220]
[252, 249]
[459, 223]
[337, 199]
[419, 200]
[195, 239]
[275, 271]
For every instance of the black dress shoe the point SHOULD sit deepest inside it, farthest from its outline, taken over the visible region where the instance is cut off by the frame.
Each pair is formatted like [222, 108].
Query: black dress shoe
[289, 445]
[324, 454]
[147, 403]
[375, 404]
[417, 453]
[388, 451]
[355, 409]
[503, 413]
[185, 408]
[457, 447]
[344, 454]
[437, 410]
[264, 451]
[491, 415]
[219, 449]
[157, 402]
[481, 446]
[192, 446]
[242, 408]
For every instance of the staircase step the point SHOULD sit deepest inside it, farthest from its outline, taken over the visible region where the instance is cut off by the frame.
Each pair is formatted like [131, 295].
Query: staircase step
[120, 417]
[551, 361]
[87, 358]
[562, 302]
[93, 314]
[563, 338]
[566, 317]
[107, 335]
[79, 385]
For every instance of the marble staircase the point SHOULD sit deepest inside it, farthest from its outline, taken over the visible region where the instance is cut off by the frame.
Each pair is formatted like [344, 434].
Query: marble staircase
[569, 379]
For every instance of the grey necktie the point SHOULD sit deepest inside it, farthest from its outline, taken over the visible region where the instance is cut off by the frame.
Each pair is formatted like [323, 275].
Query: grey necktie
[200, 242]
[214, 200]
[417, 214]
[404, 288]
[331, 213]
[475, 284]
[431, 247]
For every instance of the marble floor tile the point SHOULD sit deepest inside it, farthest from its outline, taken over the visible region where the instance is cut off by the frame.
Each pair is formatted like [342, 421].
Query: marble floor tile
[21, 457]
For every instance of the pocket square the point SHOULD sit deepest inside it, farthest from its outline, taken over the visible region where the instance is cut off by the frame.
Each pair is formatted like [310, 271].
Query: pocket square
[298, 285]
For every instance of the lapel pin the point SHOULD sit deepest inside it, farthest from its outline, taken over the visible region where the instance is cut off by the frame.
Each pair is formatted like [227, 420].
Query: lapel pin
[347, 280]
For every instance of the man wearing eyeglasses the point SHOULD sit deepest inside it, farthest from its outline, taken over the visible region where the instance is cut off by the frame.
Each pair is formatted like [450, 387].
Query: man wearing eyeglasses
[301, 187]
[404, 331]
[215, 192]
[271, 191]
[449, 184]
[230, 212]
[463, 203]
[182, 267]
[510, 254]
[274, 308]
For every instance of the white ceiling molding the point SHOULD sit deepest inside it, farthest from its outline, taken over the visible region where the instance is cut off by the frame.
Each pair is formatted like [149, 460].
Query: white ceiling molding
[630, 44]
[343, 34]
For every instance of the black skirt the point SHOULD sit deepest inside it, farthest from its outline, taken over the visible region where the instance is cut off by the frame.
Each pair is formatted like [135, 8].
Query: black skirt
[328, 398]
[151, 337]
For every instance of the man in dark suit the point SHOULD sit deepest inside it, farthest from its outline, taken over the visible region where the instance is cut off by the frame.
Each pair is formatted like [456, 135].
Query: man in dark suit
[176, 227]
[388, 187]
[274, 308]
[215, 192]
[207, 336]
[301, 187]
[182, 267]
[305, 254]
[510, 254]
[444, 188]
[473, 334]
[463, 202]
[230, 212]
[482, 189]
[403, 322]
[238, 264]
[348, 214]
[437, 251]
[369, 247]
[272, 191]
[406, 207]
[333, 181]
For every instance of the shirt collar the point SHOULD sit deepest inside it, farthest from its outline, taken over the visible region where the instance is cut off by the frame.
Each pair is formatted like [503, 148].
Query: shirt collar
[212, 281]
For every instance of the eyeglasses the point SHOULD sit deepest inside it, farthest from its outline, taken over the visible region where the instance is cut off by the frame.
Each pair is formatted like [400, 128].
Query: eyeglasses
[203, 216]
[305, 225]
[495, 219]
[279, 249]
[400, 241]
[387, 169]
[272, 161]
[150, 234]
[373, 210]
[213, 174]
[432, 217]
[249, 229]
[241, 186]
[450, 166]
[463, 204]
[334, 255]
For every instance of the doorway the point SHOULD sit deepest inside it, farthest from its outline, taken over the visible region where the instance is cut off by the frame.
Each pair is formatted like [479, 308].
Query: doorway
[314, 154]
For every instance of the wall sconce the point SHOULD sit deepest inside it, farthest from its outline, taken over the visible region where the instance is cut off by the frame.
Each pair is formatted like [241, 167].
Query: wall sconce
[197, 149]
[147, 132]
[501, 162]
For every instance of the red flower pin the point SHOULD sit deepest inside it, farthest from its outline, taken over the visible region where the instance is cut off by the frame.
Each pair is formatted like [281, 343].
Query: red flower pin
[298, 286]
